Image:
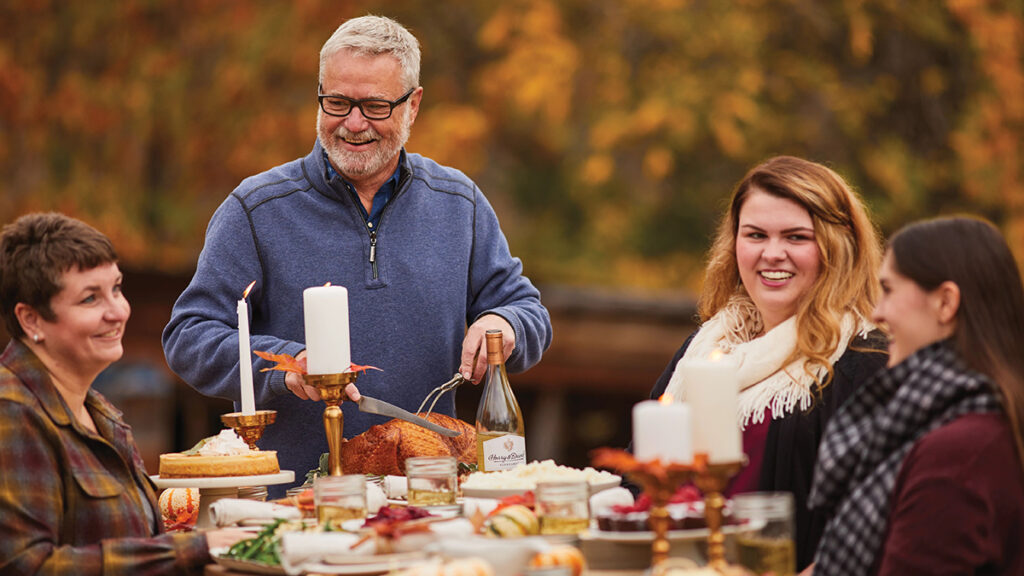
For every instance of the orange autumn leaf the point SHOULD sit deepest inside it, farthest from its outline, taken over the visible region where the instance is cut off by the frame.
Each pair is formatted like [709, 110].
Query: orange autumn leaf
[361, 368]
[288, 363]
[285, 362]
[625, 463]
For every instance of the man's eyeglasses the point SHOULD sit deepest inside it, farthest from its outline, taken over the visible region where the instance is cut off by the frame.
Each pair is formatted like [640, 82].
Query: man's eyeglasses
[371, 108]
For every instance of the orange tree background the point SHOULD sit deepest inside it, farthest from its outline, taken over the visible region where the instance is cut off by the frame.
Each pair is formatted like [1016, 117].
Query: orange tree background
[608, 133]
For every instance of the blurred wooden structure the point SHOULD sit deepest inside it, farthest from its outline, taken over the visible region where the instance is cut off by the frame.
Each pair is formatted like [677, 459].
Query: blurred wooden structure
[608, 350]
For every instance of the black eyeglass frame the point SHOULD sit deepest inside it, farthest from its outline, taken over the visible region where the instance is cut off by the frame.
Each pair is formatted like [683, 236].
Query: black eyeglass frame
[358, 103]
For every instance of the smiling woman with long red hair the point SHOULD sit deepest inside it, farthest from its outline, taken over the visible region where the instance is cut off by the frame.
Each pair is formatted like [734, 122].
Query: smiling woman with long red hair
[789, 287]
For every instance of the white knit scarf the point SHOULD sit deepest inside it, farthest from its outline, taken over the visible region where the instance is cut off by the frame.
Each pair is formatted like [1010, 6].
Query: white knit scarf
[764, 381]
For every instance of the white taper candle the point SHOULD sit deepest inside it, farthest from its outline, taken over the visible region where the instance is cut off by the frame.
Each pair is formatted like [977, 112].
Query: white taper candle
[245, 356]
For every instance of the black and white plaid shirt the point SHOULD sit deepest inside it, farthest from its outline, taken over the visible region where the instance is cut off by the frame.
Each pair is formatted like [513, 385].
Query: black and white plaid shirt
[864, 445]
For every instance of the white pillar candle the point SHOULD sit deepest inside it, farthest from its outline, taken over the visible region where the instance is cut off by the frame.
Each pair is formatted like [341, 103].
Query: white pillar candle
[327, 338]
[712, 391]
[662, 431]
[245, 355]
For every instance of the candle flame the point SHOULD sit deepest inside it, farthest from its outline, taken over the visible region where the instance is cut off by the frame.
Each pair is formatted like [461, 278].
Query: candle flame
[716, 355]
[326, 285]
[665, 399]
[248, 289]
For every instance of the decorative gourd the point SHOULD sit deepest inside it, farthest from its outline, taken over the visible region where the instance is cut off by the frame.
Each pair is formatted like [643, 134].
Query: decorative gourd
[457, 567]
[179, 507]
[562, 556]
[512, 522]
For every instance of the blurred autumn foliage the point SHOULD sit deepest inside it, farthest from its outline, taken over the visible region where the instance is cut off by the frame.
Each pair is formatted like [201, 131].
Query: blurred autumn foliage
[608, 133]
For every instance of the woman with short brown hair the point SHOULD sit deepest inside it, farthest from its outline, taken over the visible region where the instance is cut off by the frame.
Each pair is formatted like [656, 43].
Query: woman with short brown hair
[74, 495]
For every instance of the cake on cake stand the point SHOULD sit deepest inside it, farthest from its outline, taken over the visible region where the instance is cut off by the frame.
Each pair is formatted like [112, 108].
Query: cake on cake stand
[215, 488]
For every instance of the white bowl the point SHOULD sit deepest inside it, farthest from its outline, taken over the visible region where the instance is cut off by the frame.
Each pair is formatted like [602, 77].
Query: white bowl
[508, 556]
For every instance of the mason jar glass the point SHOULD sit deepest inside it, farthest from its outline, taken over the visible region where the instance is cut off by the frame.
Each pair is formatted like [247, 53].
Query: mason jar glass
[433, 480]
[339, 498]
[563, 507]
[764, 540]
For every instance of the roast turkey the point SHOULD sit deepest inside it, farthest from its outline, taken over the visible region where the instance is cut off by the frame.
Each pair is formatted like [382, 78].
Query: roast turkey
[383, 448]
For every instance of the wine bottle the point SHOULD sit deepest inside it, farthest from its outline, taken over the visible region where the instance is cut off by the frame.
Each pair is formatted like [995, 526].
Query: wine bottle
[500, 432]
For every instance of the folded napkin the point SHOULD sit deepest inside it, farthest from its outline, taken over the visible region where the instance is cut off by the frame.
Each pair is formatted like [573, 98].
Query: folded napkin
[602, 502]
[305, 551]
[449, 529]
[484, 505]
[396, 486]
[229, 511]
[375, 498]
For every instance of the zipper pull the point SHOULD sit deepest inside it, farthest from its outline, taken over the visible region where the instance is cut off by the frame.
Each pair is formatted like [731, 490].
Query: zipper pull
[373, 247]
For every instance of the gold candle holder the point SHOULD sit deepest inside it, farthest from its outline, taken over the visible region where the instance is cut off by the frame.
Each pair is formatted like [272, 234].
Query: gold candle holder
[661, 487]
[711, 480]
[659, 481]
[332, 392]
[249, 427]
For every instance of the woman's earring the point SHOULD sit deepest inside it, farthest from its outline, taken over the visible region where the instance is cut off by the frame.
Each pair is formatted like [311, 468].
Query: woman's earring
[35, 337]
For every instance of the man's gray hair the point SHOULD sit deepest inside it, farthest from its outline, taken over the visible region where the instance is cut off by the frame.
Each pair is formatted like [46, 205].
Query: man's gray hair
[375, 35]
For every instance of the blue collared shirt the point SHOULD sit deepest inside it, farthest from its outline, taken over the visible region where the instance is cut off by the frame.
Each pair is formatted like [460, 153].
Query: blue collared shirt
[380, 199]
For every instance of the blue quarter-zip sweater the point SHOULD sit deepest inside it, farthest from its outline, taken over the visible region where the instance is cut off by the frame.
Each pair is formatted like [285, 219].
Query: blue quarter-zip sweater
[436, 262]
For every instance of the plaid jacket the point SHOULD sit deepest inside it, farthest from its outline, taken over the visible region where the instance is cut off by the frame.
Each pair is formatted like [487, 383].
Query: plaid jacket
[71, 501]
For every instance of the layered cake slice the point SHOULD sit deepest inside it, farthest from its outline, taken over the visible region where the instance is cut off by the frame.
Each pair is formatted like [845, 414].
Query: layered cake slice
[223, 455]
[685, 511]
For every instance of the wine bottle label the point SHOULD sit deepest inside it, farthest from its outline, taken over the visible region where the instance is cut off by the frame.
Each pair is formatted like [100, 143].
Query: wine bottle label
[504, 452]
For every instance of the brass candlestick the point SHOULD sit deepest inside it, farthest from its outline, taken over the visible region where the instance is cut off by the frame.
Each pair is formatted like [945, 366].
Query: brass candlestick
[659, 481]
[332, 392]
[661, 487]
[711, 480]
[249, 426]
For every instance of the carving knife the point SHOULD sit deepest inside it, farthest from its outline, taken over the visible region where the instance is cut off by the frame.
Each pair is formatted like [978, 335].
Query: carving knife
[375, 406]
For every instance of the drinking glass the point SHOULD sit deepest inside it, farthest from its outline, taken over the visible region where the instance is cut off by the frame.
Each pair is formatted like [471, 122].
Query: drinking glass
[563, 507]
[339, 498]
[764, 540]
[432, 480]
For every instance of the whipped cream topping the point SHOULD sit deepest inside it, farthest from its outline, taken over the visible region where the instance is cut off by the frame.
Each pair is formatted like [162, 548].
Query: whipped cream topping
[227, 443]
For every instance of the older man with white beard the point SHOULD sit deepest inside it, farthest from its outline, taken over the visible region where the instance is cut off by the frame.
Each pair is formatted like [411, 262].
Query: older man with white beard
[417, 245]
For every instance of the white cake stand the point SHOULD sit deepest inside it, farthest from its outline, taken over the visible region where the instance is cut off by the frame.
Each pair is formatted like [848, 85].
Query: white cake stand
[213, 489]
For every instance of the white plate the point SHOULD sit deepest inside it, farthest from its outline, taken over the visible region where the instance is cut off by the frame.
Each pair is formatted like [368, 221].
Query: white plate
[402, 558]
[348, 565]
[646, 536]
[403, 502]
[595, 487]
[225, 481]
[247, 566]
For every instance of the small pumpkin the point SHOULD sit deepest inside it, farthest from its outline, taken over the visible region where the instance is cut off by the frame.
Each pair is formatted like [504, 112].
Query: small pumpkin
[179, 507]
[561, 556]
[512, 522]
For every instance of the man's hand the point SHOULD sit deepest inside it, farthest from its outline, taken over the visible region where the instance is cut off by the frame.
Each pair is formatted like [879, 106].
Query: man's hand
[474, 345]
[297, 384]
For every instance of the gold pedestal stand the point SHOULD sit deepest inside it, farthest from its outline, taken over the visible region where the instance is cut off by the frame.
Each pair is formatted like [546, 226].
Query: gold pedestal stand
[660, 486]
[332, 392]
[711, 481]
[660, 482]
[249, 427]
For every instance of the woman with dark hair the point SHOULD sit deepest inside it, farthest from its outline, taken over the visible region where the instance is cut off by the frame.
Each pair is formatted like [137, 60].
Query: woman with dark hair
[922, 470]
[74, 496]
[790, 282]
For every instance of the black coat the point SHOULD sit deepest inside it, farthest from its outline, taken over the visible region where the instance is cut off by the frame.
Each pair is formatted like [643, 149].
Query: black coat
[791, 448]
